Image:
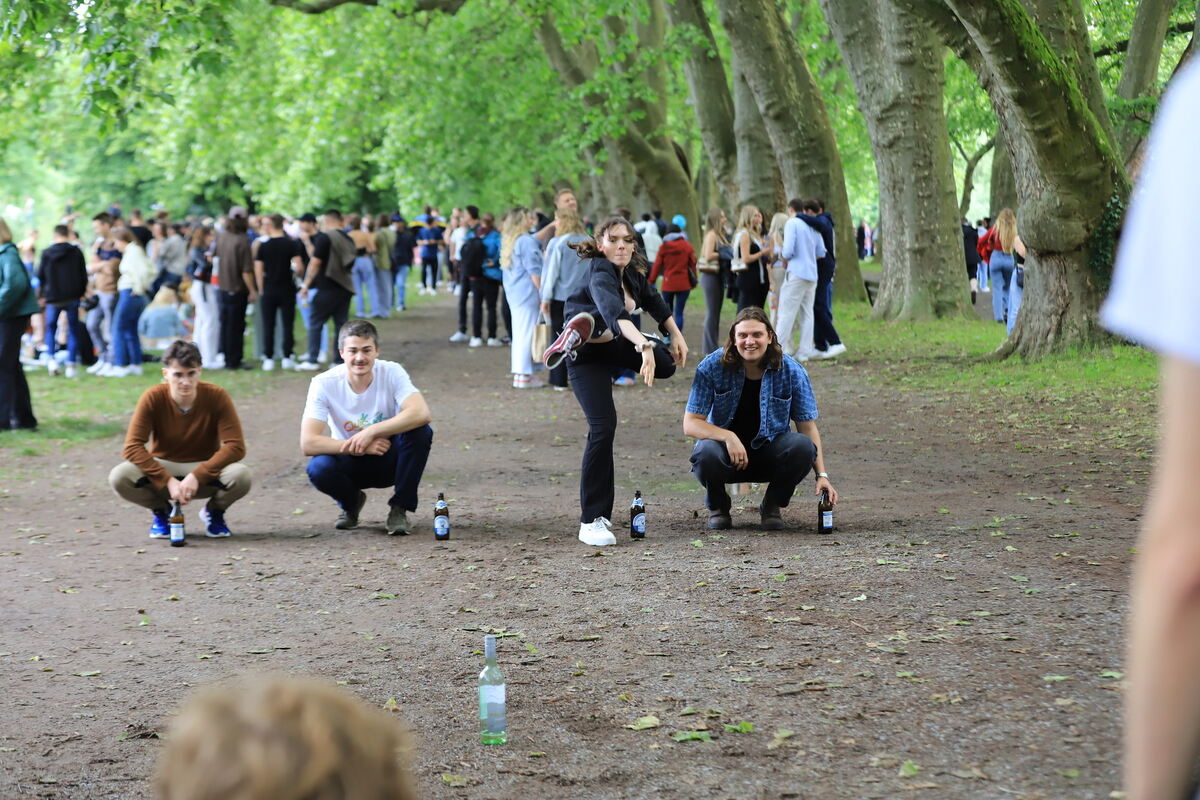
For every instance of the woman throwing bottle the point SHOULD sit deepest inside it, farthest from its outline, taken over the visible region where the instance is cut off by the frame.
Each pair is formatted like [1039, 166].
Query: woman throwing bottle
[599, 337]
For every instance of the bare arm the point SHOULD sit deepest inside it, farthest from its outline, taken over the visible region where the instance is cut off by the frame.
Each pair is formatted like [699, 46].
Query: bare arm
[315, 442]
[1163, 702]
[413, 414]
[809, 429]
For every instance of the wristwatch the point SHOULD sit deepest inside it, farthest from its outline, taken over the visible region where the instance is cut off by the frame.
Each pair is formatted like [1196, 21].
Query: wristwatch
[821, 475]
[641, 346]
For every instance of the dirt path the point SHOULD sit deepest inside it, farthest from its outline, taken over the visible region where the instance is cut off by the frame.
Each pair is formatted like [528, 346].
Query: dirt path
[958, 636]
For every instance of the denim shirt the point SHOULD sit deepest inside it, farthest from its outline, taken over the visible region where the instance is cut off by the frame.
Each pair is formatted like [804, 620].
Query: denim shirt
[785, 395]
[526, 262]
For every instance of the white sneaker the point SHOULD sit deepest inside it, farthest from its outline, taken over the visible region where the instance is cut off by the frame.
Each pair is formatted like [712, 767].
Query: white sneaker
[494, 342]
[322, 357]
[115, 372]
[71, 371]
[835, 350]
[475, 342]
[94, 368]
[527, 382]
[459, 336]
[52, 366]
[288, 363]
[307, 366]
[135, 369]
[268, 365]
[596, 533]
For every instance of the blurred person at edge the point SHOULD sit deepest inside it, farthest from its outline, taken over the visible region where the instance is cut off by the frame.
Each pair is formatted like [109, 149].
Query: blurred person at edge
[1153, 302]
[137, 273]
[521, 264]
[62, 283]
[206, 329]
[18, 303]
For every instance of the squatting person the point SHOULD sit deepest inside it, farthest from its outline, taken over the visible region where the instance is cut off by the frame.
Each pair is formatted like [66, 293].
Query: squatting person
[184, 443]
[378, 430]
[601, 337]
[743, 398]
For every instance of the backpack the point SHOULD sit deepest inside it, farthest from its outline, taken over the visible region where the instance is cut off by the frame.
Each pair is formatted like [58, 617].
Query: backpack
[342, 252]
[471, 256]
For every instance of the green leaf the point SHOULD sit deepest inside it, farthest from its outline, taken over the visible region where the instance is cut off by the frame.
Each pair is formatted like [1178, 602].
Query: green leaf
[1019, 578]
[644, 723]
[697, 543]
[781, 577]
[689, 711]
[740, 727]
[143, 620]
[451, 779]
[1055, 678]
[1112, 673]
[531, 648]
[383, 596]
[89, 674]
[943, 511]
[908, 770]
[781, 737]
[691, 736]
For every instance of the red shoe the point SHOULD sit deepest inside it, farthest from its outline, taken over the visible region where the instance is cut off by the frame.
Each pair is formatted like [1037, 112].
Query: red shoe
[574, 334]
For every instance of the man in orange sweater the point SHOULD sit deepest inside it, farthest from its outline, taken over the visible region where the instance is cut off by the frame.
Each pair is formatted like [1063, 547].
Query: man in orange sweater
[184, 443]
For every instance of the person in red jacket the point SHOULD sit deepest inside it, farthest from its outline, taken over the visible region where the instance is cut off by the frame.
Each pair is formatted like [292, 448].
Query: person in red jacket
[676, 263]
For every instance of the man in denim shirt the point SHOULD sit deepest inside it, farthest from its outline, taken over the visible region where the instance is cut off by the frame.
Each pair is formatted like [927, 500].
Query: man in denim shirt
[742, 401]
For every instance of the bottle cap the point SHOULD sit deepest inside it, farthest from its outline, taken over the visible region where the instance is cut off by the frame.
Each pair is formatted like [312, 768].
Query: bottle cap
[489, 646]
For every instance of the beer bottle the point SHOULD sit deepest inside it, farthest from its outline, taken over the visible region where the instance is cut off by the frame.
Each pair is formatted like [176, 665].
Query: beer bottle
[637, 517]
[178, 538]
[493, 721]
[824, 513]
[441, 518]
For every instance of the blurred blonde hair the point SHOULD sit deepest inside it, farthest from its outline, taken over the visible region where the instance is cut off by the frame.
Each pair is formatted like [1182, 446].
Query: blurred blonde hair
[567, 221]
[1006, 229]
[5, 232]
[743, 224]
[277, 737]
[777, 222]
[514, 223]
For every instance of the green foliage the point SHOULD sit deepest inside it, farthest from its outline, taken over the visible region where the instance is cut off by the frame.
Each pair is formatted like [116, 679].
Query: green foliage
[1102, 247]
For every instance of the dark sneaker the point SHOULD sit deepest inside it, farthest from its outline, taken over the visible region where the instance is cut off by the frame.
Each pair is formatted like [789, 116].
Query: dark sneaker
[160, 528]
[772, 518]
[574, 334]
[214, 523]
[397, 522]
[719, 520]
[349, 519]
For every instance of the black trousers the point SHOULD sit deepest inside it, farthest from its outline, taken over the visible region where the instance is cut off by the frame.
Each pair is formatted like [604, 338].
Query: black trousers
[482, 289]
[780, 463]
[751, 290]
[232, 308]
[16, 409]
[278, 300]
[558, 375]
[464, 289]
[824, 334]
[591, 379]
[330, 302]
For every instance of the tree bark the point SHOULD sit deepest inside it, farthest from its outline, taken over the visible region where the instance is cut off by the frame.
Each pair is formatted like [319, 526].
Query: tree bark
[758, 178]
[1140, 71]
[796, 120]
[1003, 193]
[972, 162]
[1067, 171]
[1133, 164]
[895, 61]
[710, 95]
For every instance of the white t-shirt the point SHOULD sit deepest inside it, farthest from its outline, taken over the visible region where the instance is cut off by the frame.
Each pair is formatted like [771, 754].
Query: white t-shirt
[1155, 297]
[457, 237]
[331, 400]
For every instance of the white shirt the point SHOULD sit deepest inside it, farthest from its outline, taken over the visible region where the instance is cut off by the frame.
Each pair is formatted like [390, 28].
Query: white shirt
[1155, 291]
[802, 246]
[457, 237]
[331, 400]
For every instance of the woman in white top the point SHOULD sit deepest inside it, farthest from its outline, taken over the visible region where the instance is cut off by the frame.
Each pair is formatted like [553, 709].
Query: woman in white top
[775, 235]
[137, 273]
[521, 266]
[711, 282]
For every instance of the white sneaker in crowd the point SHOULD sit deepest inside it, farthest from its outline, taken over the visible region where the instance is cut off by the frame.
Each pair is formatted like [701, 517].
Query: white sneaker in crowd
[527, 382]
[135, 369]
[95, 368]
[71, 371]
[268, 365]
[307, 366]
[52, 366]
[115, 372]
[475, 342]
[494, 342]
[322, 357]
[597, 533]
[288, 363]
[834, 350]
[459, 336]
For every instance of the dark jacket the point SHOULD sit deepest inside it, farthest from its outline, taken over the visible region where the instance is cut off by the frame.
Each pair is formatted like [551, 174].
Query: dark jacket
[823, 224]
[602, 297]
[17, 298]
[62, 275]
[402, 250]
[970, 245]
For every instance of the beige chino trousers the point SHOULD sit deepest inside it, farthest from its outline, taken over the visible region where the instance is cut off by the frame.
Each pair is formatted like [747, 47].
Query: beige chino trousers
[128, 481]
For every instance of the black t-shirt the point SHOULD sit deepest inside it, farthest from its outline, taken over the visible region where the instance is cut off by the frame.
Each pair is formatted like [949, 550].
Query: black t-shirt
[276, 254]
[748, 417]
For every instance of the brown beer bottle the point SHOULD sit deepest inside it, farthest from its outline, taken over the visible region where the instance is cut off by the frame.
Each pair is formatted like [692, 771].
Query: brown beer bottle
[175, 521]
[441, 518]
[824, 513]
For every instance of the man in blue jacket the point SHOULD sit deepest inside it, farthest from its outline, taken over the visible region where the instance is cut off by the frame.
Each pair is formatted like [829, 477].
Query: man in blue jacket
[742, 402]
[825, 337]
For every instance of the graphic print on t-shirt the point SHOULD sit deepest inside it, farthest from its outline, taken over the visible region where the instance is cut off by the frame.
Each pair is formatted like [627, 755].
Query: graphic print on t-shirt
[353, 426]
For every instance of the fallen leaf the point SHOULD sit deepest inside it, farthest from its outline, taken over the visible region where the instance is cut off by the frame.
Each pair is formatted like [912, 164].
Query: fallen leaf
[644, 723]
[89, 674]
[908, 769]
[691, 736]
[457, 781]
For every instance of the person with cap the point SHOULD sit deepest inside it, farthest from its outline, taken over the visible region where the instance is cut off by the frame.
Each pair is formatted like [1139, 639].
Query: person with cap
[681, 221]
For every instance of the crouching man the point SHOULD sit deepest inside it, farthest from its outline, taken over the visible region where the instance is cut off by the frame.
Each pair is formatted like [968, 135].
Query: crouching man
[378, 430]
[743, 399]
[184, 443]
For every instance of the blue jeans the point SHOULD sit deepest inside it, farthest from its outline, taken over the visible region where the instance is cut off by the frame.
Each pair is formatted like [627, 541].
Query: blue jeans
[401, 283]
[126, 346]
[74, 328]
[677, 300]
[343, 476]
[366, 282]
[1000, 270]
[1015, 293]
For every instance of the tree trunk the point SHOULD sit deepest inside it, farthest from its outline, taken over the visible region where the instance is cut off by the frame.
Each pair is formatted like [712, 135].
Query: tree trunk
[758, 178]
[653, 156]
[895, 61]
[710, 95]
[972, 162]
[1137, 156]
[796, 120]
[1069, 179]
[1004, 184]
[1140, 71]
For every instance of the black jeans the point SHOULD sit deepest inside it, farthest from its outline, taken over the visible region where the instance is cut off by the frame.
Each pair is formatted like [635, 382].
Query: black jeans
[484, 288]
[343, 476]
[751, 290]
[780, 463]
[232, 307]
[278, 300]
[558, 375]
[591, 379]
[824, 334]
[464, 289]
[16, 409]
[331, 302]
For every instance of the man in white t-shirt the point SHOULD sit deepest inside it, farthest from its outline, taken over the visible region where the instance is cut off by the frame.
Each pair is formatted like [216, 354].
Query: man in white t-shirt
[366, 427]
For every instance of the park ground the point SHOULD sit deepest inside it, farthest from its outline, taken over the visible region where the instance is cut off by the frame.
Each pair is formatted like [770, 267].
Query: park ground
[959, 636]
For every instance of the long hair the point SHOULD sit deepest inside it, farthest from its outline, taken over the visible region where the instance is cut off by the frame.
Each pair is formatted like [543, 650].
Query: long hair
[744, 223]
[776, 230]
[712, 222]
[1006, 229]
[731, 359]
[512, 226]
[590, 248]
[567, 221]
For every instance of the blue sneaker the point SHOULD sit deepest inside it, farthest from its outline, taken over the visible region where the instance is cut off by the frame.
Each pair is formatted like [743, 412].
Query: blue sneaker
[160, 528]
[214, 523]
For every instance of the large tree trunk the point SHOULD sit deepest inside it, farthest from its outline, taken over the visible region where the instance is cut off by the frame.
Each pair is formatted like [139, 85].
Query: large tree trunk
[796, 120]
[1003, 193]
[1140, 70]
[895, 61]
[1070, 182]
[657, 160]
[759, 181]
[710, 95]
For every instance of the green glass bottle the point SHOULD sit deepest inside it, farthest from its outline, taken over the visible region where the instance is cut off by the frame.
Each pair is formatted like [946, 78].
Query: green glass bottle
[493, 721]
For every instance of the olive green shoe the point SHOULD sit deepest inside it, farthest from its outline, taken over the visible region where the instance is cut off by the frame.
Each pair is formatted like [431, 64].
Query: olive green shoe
[398, 523]
[348, 520]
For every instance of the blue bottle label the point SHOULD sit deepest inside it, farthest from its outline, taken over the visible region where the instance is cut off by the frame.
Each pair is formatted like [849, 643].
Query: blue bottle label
[639, 522]
[441, 527]
[177, 534]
